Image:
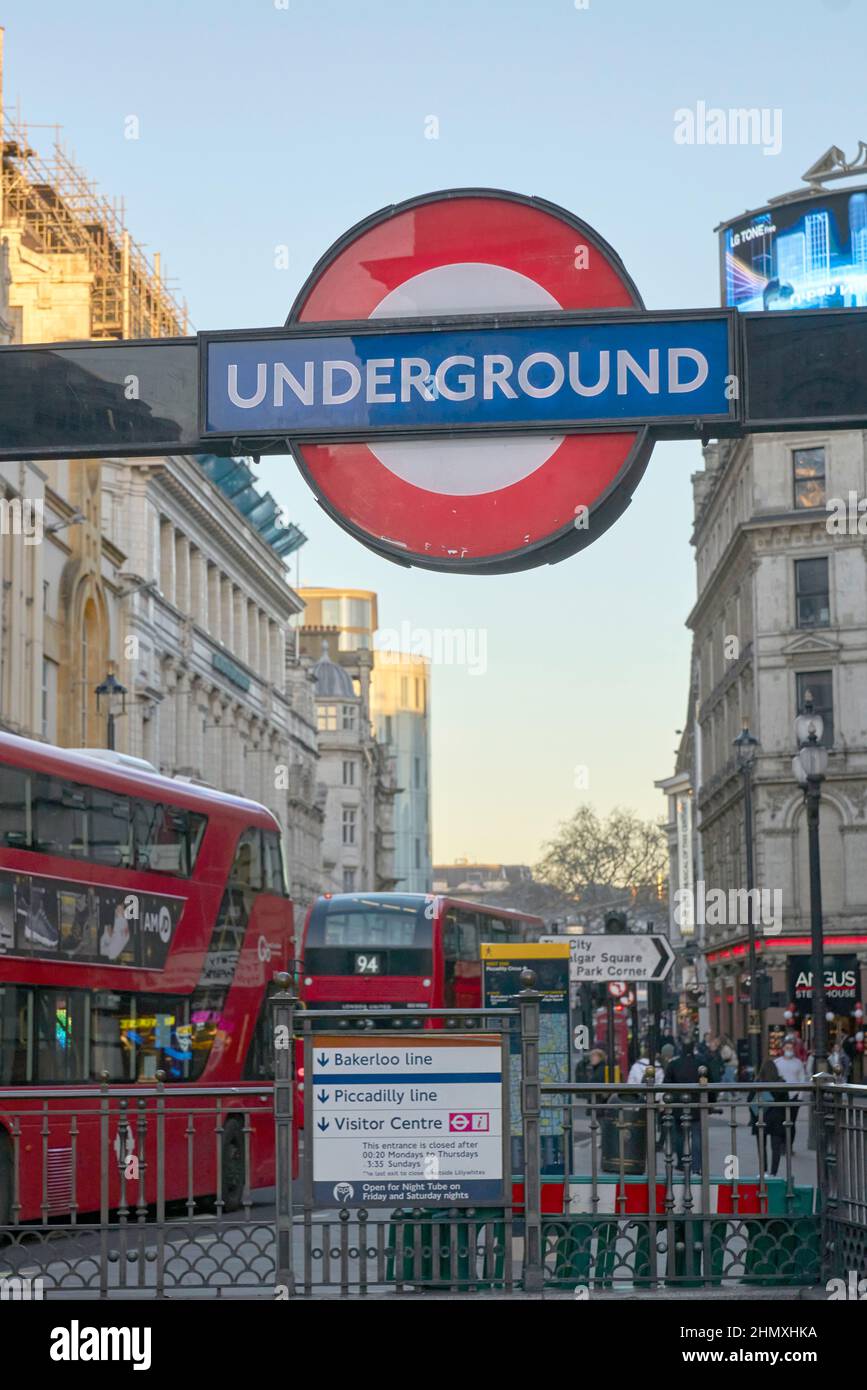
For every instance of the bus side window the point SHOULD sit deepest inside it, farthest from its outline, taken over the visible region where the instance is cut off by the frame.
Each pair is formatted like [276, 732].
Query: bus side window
[59, 810]
[470, 939]
[247, 864]
[451, 949]
[160, 838]
[259, 1063]
[16, 1053]
[275, 881]
[109, 828]
[451, 943]
[494, 930]
[14, 808]
[197, 826]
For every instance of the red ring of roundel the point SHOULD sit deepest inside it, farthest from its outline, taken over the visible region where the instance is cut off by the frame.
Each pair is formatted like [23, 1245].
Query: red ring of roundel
[478, 227]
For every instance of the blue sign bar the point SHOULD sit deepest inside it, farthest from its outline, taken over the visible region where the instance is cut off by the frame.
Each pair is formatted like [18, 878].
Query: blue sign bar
[359, 383]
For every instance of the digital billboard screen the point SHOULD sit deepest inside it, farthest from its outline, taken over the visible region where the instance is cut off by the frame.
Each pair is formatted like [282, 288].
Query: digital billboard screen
[810, 253]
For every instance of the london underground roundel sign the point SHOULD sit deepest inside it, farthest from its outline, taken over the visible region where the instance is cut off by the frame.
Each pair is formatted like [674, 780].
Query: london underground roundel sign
[495, 501]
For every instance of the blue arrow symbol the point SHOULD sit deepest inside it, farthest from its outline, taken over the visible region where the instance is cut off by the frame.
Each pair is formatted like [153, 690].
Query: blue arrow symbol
[323, 1125]
[323, 1060]
[322, 1096]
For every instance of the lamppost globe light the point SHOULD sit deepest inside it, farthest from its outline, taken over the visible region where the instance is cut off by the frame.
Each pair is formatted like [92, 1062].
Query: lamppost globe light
[813, 759]
[746, 746]
[809, 724]
[798, 770]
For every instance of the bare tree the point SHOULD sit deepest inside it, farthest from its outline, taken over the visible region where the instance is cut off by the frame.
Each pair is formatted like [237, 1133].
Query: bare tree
[619, 861]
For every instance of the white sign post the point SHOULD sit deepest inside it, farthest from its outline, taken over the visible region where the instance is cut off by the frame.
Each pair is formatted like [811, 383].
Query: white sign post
[406, 1120]
[638, 959]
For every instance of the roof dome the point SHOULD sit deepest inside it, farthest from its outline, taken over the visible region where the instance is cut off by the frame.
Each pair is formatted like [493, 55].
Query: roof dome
[332, 681]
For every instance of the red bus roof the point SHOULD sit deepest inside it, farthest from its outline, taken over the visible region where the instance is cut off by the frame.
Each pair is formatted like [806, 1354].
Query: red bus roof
[444, 898]
[153, 786]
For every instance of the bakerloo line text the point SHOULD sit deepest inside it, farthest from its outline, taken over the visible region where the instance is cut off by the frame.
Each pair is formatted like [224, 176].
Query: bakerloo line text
[539, 375]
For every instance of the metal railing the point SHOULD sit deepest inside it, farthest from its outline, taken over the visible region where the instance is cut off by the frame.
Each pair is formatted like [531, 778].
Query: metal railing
[174, 1190]
[142, 1189]
[683, 1185]
[842, 1151]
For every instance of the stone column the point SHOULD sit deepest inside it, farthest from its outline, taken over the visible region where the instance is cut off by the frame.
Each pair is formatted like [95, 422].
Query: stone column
[213, 600]
[199, 595]
[277, 654]
[240, 615]
[167, 559]
[182, 573]
[227, 625]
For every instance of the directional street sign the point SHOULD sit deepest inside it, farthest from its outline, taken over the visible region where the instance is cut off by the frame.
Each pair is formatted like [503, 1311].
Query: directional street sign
[400, 1119]
[615, 958]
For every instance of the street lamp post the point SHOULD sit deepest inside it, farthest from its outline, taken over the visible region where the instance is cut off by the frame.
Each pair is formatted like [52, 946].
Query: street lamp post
[810, 765]
[111, 691]
[746, 746]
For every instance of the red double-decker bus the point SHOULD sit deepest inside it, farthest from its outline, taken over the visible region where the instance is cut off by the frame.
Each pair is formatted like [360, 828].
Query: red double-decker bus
[141, 921]
[364, 952]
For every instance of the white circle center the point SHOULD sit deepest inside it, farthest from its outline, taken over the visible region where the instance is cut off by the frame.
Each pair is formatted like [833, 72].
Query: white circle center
[465, 467]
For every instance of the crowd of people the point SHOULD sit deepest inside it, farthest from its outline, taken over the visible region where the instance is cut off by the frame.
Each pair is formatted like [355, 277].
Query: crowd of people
[772, 1107]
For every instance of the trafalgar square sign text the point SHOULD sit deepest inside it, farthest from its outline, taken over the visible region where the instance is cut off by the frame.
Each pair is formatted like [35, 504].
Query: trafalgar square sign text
[641, 959]
[469, 381]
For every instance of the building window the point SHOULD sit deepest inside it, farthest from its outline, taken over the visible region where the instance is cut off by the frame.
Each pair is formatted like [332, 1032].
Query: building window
[359, 612]
[417, 846]
[387, 734]
[348, 773]
[416, 773]
[331, 612]
[349, 880]
[404, 692]
[349, 817]
[809, 471]
[812, 599]
[349, 717]
[326, 718]
[819, 685]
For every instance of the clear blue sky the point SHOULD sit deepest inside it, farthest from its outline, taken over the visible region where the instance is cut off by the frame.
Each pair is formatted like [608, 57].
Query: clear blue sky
[262, 126]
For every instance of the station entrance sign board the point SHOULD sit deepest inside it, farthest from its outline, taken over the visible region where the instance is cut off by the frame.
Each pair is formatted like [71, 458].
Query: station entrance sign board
[403, 1119]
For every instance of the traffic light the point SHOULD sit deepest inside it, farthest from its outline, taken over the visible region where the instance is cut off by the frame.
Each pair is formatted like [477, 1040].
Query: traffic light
[763, 990]
[615, 923]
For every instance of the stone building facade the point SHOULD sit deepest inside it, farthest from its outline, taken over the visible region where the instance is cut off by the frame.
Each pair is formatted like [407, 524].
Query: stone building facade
[168, 573]
[357, 771]
[781, 611]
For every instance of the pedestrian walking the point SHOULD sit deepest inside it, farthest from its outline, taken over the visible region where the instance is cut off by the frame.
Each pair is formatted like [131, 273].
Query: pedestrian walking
[596, 1068]
[770, 1105]
[792, 1070]
[838, 1061]
[714, 1061]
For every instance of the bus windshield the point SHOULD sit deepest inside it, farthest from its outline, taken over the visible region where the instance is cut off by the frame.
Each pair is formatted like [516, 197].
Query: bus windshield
[369, 936]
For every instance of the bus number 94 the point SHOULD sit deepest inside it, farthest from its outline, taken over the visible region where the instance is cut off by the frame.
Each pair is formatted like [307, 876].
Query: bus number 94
[367, 965]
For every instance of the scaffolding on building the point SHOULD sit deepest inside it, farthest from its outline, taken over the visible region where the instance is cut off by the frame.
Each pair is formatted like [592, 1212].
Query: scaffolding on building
[59, 210]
